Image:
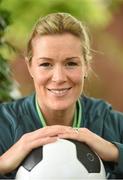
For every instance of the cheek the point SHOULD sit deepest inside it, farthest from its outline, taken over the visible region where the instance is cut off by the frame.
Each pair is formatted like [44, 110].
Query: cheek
[77, 78]
[40, 79]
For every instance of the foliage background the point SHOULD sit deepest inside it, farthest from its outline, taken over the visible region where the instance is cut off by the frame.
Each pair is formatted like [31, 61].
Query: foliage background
[104, 19]
[25, 12]
[5, 80]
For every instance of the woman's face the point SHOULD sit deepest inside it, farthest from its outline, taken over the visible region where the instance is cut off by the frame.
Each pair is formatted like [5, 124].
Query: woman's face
[58, 70]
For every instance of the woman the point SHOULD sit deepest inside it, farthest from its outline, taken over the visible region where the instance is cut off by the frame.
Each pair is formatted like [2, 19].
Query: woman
[58, 60]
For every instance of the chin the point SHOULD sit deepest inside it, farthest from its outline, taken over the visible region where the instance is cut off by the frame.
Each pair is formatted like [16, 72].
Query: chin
[60, 106]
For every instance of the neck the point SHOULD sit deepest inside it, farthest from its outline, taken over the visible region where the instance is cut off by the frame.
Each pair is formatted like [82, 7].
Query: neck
[59, 117]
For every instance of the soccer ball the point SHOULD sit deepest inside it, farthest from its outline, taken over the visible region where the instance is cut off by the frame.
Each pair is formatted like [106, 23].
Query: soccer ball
[62, 160]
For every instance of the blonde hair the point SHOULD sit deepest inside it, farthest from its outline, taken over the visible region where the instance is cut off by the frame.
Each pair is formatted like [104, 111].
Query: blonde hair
[59, 23]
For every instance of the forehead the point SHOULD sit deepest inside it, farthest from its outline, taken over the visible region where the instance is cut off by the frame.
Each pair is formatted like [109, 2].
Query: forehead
[58, 43]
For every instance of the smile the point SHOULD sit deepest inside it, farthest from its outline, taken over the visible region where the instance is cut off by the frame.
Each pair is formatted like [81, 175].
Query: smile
[59, 92]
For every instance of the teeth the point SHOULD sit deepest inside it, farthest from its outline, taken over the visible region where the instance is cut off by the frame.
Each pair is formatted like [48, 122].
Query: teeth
[59, 92]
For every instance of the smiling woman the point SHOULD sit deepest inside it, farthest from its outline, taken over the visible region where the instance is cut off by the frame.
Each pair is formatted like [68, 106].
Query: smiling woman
[58, 70]
[58, 60]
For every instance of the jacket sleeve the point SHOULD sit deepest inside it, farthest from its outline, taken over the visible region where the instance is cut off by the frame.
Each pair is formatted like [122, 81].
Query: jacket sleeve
[113, 131]
[6, 129]
[6, 135]
[118, 168]
[8, 176]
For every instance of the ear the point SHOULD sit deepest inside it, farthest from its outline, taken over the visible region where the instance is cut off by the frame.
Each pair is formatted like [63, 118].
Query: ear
[29, 66]
[87, 67]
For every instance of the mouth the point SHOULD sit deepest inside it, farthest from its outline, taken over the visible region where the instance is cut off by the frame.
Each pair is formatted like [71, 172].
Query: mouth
[59, 92]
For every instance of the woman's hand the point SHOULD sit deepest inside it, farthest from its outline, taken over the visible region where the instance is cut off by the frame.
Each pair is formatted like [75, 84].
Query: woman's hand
[12, 158]
[106, 150]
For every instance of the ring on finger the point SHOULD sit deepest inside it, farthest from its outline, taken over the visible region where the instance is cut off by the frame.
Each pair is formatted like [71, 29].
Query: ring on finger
[76, 130]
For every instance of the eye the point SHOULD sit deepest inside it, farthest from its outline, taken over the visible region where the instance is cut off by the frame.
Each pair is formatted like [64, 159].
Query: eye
[71, 64]
[45, 64]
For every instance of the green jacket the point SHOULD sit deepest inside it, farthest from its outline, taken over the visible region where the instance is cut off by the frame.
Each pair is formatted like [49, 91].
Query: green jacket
[20, 116]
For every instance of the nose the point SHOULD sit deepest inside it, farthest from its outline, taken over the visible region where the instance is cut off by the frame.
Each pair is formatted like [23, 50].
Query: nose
[59, 74]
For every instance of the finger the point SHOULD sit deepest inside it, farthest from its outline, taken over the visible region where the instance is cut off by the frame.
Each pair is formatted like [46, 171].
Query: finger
[40, 133]
[72, 133]
[42, 141]
[53, 130]
[46, 132]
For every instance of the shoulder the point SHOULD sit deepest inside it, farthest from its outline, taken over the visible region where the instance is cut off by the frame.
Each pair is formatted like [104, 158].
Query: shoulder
[17, 104]
[94, 108]
[17, 117]
[92, 105]
[10, 110]
[101, 118]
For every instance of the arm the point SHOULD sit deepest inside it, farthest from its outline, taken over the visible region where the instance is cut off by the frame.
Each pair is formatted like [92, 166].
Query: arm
[12, 158]
[95, 142]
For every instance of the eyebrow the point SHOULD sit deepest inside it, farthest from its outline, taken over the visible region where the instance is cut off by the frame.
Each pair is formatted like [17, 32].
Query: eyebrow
[68, 58]
[45, 58]
[74, 57]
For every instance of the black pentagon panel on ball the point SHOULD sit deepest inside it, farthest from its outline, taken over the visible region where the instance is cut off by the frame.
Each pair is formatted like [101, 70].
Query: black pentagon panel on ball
[33, 159]
[87, 157]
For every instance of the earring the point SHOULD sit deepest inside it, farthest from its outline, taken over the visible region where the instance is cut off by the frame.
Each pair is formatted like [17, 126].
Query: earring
[85, 77]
